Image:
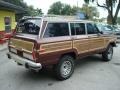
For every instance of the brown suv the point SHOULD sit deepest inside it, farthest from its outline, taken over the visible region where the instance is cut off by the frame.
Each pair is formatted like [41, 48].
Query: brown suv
[57, 41]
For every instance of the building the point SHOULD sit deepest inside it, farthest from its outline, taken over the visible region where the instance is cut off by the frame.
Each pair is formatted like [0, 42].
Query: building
[7, 19]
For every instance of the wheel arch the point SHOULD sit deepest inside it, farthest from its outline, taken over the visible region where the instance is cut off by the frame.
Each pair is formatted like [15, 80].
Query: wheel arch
[73, 54]
[113, 44]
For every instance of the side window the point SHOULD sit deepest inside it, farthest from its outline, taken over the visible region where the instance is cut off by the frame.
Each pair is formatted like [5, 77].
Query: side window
[56, 29]
[77, 28]
[96, 29]
[92, 29]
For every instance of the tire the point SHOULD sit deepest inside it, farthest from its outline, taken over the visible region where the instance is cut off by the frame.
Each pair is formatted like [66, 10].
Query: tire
[65, 68]
[107, 54]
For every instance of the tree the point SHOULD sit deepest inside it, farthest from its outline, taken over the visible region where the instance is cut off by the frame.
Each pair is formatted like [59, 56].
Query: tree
[90, 11]
[56, 8]
[118, 20]
[66, 10]
[74, 10]
[33, 12]
[59, 8]
[109, 5]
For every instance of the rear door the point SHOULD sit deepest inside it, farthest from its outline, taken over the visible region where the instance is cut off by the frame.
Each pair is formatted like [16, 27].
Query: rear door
[96, 40]
[80, 39]
[55, 41]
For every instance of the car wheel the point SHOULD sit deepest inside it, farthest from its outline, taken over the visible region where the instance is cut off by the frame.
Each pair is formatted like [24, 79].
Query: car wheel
[107, 55]
[65, 68]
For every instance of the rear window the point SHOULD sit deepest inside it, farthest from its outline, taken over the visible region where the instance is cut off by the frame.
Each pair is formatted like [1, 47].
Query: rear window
[29, 26]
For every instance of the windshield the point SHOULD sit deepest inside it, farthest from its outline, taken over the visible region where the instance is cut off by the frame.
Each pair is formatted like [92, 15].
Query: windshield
[29, 26]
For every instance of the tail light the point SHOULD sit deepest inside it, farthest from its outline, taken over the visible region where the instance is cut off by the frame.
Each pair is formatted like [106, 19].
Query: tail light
[42, 49]
[33, 54]
[37, 51]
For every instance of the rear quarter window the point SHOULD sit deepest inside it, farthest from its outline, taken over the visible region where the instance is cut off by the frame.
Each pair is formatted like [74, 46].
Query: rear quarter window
[56, 29]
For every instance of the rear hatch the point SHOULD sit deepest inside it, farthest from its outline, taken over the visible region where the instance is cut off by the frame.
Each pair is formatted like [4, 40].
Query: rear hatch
[24, 41]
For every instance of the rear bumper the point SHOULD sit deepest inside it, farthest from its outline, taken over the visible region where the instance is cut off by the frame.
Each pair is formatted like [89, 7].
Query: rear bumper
[22, 61]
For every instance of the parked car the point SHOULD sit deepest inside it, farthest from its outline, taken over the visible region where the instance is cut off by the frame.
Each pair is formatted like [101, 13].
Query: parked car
[117, 33]
[57, 41]
[106, 29]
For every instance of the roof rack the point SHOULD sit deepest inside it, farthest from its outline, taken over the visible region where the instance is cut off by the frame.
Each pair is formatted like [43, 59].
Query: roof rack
[25, 17]
[51, 17]
[59, 17]
[56, 18]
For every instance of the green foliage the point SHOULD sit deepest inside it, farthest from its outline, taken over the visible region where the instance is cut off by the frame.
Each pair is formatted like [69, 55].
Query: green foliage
[33, 12]
[66, 10]
[91, 12]
[74, 9]
[59, 8]
[56, 8]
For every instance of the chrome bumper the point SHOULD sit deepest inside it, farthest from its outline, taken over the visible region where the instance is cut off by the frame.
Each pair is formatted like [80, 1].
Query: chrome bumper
[22, 61]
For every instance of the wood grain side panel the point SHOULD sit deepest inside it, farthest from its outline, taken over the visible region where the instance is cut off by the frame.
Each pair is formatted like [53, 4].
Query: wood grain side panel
[57, 46]
[97, 43]
[21, 44]
[81, 45]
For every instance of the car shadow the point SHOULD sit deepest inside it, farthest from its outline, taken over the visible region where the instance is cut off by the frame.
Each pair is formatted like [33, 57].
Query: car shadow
[90, 60]
[43, 74]
[48, 74]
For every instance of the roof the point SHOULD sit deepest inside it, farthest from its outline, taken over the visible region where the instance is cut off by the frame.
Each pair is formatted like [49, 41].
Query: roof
[58, 18]
[11, 7]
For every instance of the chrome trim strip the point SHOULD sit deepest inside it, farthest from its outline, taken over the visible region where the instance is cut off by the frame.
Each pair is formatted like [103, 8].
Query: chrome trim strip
[69, 28]
[41, 26]
[44, 30]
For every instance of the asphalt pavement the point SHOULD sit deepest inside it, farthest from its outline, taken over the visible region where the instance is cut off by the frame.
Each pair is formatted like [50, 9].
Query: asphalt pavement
[90, 73]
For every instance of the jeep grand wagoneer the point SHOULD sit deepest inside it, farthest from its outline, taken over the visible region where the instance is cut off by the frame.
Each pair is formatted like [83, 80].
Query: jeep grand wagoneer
[57, 41]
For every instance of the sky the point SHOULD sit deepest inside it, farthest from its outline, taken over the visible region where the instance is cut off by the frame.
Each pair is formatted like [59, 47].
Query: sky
[45, 4]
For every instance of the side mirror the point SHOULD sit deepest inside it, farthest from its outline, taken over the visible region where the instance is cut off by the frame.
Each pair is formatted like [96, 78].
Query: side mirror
[101, 32]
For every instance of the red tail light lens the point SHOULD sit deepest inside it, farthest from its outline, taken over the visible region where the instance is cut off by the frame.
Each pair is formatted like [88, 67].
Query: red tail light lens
[33, 54]
[42, 50]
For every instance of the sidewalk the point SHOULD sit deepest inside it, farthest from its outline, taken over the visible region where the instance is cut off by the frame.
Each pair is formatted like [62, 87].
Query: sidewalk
[3, 46]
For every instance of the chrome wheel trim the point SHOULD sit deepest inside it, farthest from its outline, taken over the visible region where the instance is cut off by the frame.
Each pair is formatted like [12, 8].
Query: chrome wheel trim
[66, 68]
[110, 53]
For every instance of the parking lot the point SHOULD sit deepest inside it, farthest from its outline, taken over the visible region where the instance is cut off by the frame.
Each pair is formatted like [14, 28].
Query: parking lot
[90, 74]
